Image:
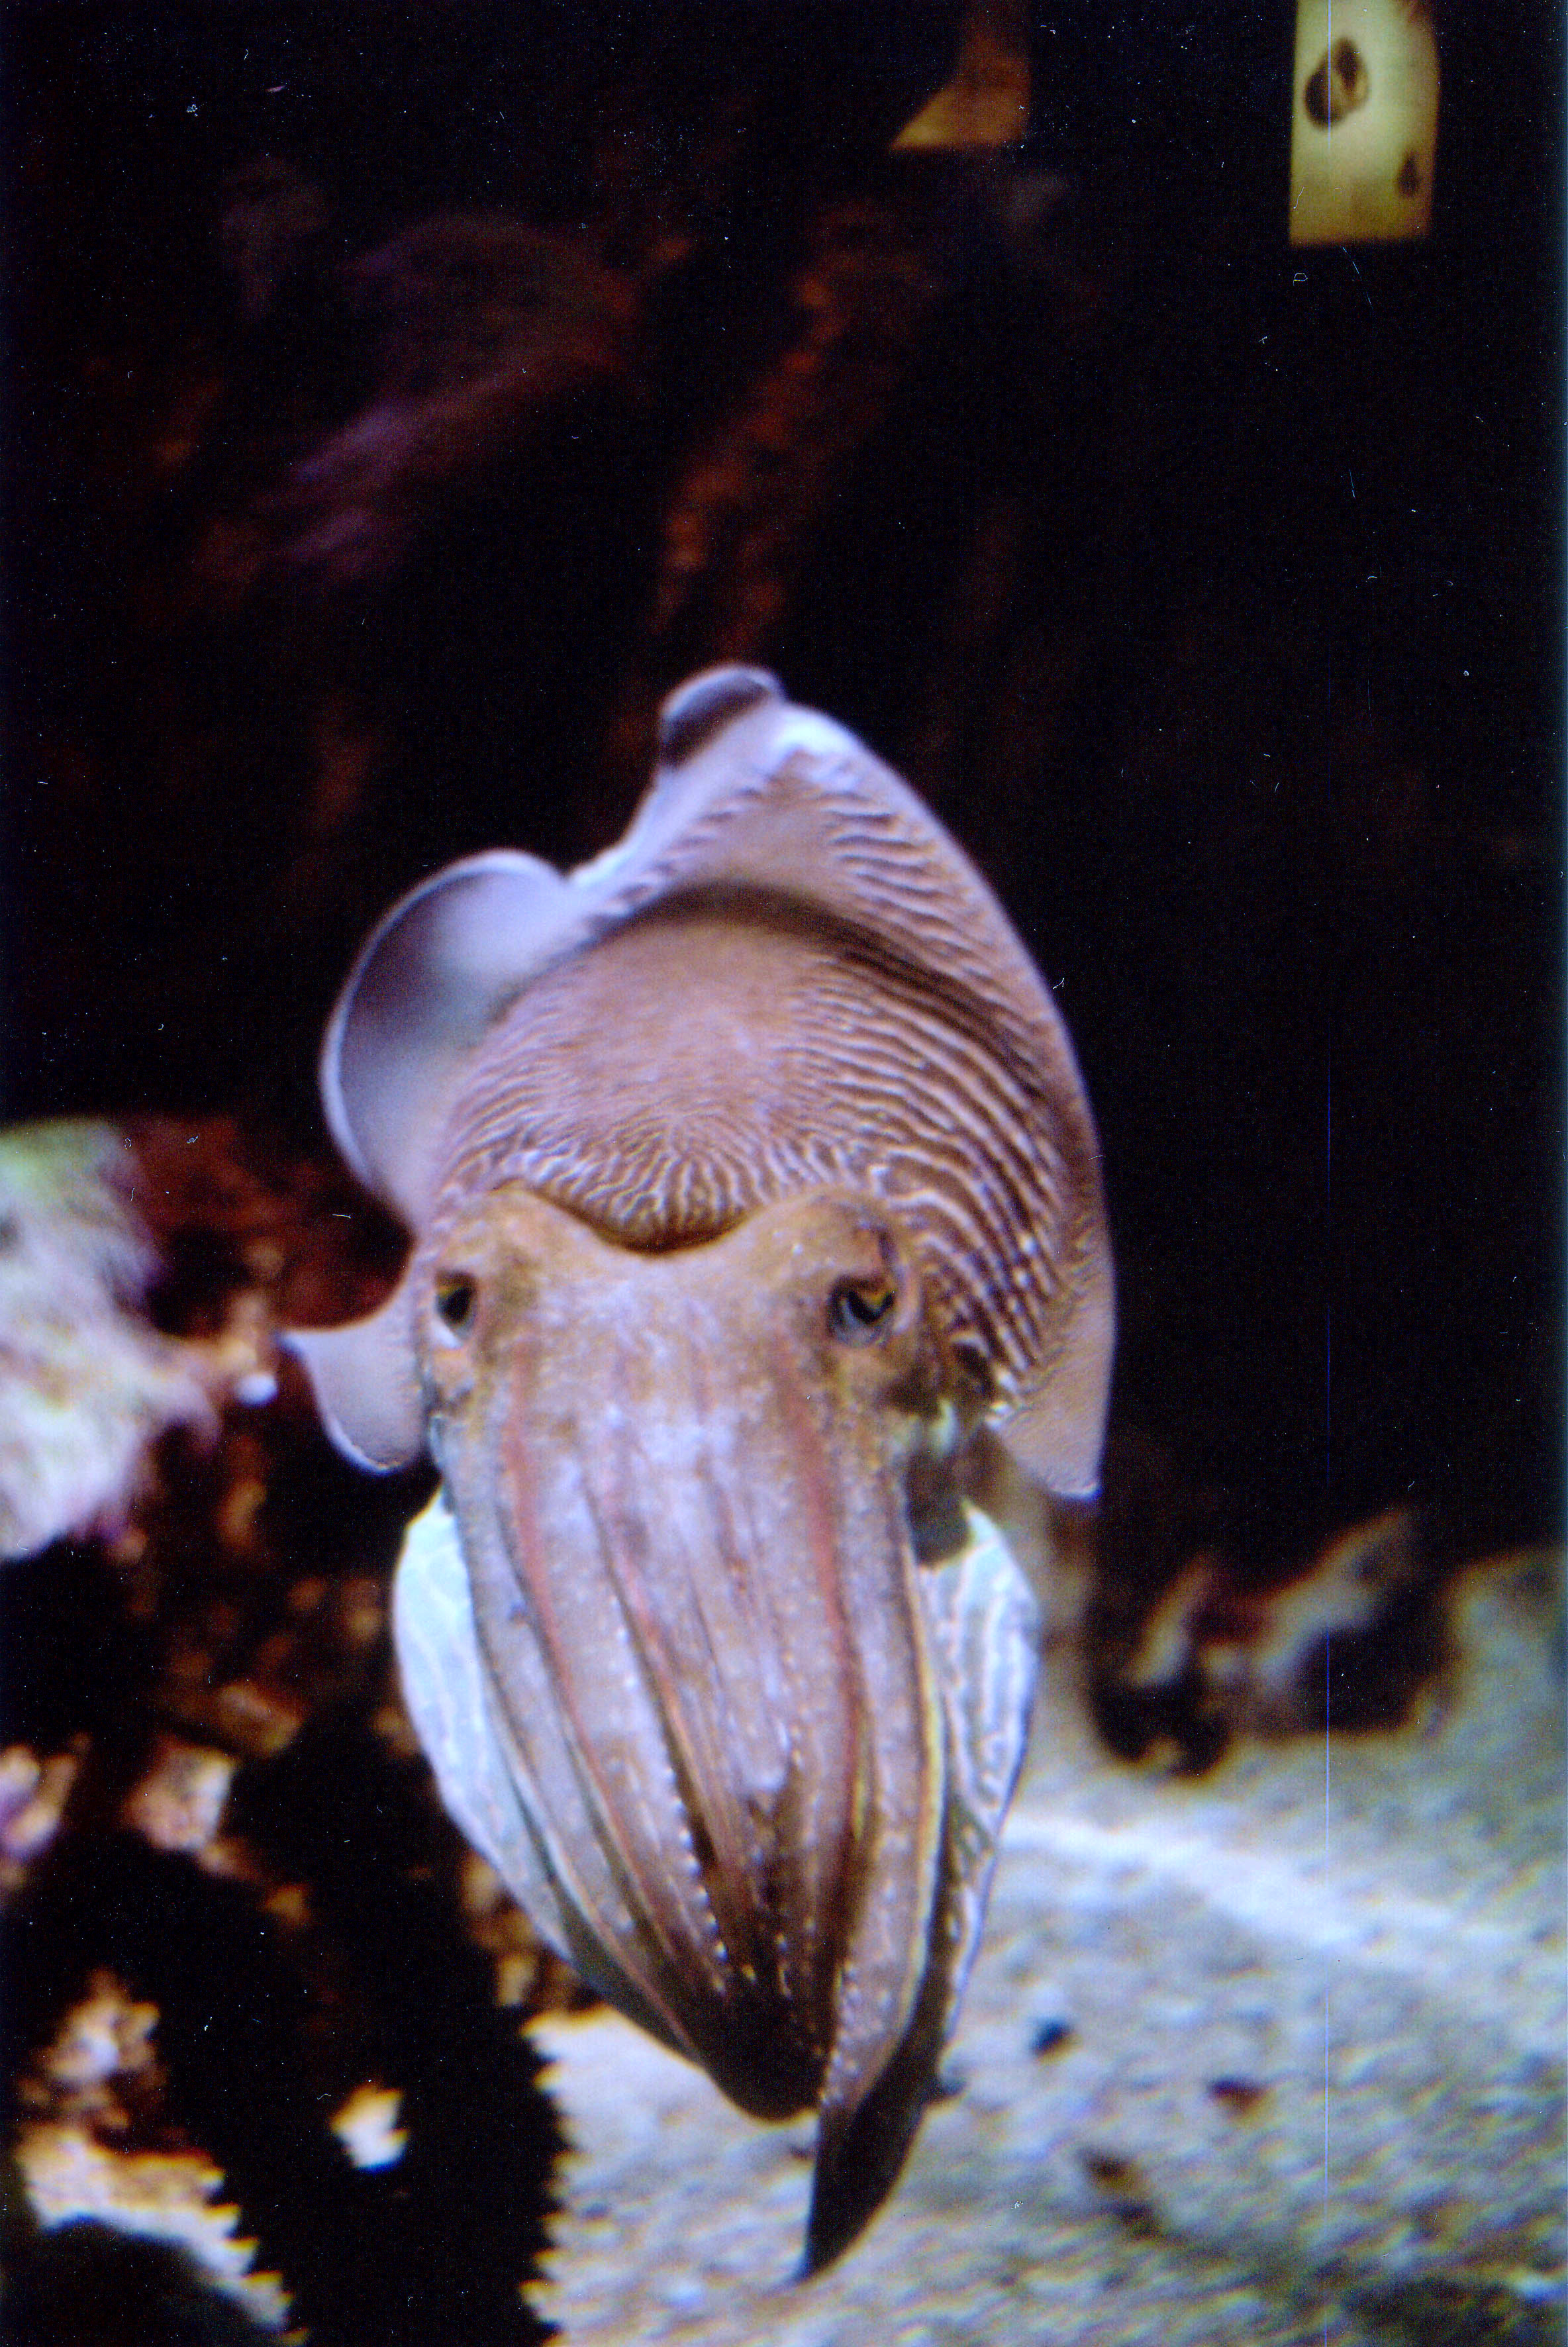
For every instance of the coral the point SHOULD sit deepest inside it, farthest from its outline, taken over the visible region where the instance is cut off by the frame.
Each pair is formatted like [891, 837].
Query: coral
[79, 2160]
[265, 2020]
[85, 1383]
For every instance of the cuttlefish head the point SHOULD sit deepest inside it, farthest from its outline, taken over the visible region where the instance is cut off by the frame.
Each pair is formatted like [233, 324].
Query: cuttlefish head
[750, 1179]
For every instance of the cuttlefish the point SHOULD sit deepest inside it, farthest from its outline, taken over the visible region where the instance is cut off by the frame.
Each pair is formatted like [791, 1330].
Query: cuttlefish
[753, 1184]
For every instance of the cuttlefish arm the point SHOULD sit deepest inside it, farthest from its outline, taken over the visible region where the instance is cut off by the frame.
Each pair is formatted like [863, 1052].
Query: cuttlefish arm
[741, 1753]
[751, 1176]
[982, 1621]
[983, 1625]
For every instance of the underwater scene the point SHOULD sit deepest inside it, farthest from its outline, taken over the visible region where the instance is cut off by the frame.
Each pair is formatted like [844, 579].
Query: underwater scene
[781, 1377]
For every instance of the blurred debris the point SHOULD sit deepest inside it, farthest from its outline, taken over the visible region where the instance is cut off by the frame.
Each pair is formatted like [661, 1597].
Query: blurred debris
[178, 1804]
[33, 1797]
[169, 2197]
[1350, 1642]
[986, 103]
[104, 2042]
[367, 2126]
[529, 1977]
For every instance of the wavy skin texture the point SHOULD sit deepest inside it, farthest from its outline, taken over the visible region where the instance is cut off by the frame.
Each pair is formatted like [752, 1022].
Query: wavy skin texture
[750, 1173]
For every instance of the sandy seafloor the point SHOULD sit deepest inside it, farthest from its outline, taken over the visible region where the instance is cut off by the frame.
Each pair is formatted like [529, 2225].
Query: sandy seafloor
[1300, 2029]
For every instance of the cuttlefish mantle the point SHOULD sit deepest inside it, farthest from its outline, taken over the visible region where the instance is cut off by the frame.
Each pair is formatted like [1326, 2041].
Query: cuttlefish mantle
[751, 1180]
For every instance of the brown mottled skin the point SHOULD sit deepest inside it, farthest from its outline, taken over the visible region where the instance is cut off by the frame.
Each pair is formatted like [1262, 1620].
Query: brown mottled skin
[751, 1176]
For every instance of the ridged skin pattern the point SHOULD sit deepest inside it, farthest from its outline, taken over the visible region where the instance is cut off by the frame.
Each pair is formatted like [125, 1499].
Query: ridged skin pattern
[751, 1171]
[728, 1048]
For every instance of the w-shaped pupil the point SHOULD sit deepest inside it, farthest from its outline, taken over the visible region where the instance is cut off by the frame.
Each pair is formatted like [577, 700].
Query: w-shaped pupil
[856, 1313]
[454, 1300]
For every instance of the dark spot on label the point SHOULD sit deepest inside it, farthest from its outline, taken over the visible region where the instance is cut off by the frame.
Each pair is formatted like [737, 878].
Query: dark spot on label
[1338, 85]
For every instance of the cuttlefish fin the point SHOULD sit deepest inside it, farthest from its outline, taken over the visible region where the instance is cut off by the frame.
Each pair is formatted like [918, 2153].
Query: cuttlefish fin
[450, 956]
[984, 1627]
[1058, 1434]
[719, 725]
[365, 1384]
[429, 982]
[984, 1623]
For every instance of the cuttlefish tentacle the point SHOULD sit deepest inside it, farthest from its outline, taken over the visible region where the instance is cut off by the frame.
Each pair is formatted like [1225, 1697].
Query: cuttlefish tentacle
[751, 1176]
[744, 1745]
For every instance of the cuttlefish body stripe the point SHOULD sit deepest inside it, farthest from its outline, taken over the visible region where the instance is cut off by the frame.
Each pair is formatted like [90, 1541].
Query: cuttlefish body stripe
[799, 1060]
[750, 1177]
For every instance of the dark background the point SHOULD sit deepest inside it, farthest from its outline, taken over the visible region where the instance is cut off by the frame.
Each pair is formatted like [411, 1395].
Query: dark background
[1210, 591]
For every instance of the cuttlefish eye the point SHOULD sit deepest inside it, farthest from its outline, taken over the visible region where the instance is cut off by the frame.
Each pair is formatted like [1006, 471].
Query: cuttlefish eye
[859, 1310]
[457, 1300]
